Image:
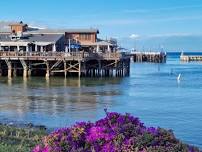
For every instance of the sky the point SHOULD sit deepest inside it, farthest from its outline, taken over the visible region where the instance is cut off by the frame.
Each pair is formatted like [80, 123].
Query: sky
[133, 22]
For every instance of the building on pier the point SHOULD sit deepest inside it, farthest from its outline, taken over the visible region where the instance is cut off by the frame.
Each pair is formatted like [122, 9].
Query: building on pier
[26, 50]
[25, 38]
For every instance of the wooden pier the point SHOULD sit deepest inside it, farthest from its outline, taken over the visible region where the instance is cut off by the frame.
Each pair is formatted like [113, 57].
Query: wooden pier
[190, 58]
[81, 64]
[155, 57]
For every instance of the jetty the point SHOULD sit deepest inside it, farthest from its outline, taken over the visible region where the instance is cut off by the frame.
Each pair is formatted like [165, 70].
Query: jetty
[27, 51]
[154, 57]
[190, 58]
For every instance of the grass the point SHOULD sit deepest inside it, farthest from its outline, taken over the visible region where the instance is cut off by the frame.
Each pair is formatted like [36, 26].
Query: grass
[15, 139]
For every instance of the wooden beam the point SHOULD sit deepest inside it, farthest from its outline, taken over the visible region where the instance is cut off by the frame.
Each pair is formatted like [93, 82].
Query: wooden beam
[72, 66]
[114, 63]
[56, 64]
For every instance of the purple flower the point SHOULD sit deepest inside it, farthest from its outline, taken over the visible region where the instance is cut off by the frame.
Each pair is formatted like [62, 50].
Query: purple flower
[108, 147]
[46, 149]
[152, 130]
[95, 133]
[115, 132]
[36, 149]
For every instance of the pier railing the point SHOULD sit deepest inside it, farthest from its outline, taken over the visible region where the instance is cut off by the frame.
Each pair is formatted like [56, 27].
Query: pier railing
[59, 55]
[148, 53]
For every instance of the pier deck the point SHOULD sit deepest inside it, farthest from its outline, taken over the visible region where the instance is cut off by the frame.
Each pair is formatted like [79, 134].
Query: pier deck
[190, 58]
[66, 64]
[155, 57]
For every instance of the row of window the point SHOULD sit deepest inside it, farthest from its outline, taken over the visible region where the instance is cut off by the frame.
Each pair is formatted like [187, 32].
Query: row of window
[85, 37]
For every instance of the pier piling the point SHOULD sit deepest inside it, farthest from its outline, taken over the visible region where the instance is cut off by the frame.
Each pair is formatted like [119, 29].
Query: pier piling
[63, 64]
[154, 57]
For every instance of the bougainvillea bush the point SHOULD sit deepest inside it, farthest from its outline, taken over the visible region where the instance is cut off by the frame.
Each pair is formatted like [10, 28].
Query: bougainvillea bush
[114, 133]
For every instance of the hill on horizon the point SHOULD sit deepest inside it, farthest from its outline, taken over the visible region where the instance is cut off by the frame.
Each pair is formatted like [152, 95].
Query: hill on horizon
[178, 43]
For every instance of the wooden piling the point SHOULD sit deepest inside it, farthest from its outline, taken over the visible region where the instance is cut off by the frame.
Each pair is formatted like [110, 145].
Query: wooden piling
[14, 70]
[29, 73]
[9, 65]
[9, 72]
[92, 65]
[65, 69]
[25, 73]
[47, 70]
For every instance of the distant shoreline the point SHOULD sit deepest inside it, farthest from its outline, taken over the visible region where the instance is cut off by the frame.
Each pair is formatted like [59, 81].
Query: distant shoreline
[184, 52]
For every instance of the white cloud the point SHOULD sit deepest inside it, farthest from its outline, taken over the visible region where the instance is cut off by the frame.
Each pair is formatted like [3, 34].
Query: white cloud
[173, 35]
[161, 9]
[134, 36]
[37, 27]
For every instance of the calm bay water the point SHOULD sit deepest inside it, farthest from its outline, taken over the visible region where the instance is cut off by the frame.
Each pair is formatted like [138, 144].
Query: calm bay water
[152, 93]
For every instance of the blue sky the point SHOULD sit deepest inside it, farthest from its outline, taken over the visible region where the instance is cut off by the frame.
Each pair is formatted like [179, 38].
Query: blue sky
[138, 19]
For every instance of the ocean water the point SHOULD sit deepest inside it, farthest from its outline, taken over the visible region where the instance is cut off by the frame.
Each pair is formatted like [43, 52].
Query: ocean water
[151, 93]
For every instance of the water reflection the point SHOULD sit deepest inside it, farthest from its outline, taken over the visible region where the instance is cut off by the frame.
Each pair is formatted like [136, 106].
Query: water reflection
[55, 96]
[9, 82]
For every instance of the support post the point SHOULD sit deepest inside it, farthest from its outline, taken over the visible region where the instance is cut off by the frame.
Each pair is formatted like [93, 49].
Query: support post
[9, 72]
[108, 48]
[65, 69]
[69, 45]
[36, 47]
[25, 72]
[9, 65]
[99, 68]
[29, 72]
[27, 48]
[98, 48]
[41, 48]
[25, 68]
[66, 49]
[18, 48]
[84, 68]
[54, 48]
[79, 69]
[14, 70]
[47, 70]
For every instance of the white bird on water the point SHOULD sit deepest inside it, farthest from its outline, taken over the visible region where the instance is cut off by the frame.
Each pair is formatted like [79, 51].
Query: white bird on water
[179, 76]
